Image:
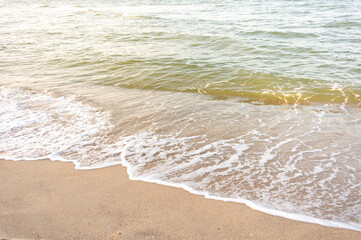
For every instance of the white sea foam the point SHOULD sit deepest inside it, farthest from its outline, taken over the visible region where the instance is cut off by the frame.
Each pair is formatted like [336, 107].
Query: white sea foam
[39, 126]
[271, 167]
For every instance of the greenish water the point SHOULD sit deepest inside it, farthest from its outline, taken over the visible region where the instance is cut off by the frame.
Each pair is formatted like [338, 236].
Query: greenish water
[256, 102]
[282, 52]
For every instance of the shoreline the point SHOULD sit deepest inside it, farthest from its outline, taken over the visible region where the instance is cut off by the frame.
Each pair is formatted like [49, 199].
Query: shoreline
[52, 200]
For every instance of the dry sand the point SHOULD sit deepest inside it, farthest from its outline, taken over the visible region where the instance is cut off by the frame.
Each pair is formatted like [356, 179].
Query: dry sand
[52, 200]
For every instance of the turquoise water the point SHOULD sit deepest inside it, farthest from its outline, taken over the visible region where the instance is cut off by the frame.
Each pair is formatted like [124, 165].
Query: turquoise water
[248, 101]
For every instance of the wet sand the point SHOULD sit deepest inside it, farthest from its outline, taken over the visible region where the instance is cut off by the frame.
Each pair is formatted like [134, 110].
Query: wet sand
[52, 200]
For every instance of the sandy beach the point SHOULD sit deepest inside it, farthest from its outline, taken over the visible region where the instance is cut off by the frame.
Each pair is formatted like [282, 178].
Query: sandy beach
[52, 200]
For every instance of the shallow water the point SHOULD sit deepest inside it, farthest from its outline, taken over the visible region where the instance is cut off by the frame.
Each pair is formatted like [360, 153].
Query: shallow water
[245, 101]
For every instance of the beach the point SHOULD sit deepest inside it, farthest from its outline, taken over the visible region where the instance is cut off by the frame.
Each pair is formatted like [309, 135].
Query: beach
[52, 200]
[173, 119]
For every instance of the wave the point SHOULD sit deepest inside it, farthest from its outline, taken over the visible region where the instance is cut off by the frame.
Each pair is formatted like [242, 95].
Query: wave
[342, 24]
[279, 163]
[38, 126]
[283, 34]
[255, 87]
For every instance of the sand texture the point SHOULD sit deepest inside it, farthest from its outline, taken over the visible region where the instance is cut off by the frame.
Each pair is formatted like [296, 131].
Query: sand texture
[52, 200]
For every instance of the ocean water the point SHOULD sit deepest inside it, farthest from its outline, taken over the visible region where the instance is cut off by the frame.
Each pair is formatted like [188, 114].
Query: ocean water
[256, 102]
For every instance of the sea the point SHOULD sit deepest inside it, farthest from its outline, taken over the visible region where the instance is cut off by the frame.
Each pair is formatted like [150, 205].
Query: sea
[248, 101]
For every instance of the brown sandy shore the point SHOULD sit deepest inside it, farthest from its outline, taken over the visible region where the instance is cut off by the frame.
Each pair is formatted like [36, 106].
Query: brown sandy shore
[52, 200]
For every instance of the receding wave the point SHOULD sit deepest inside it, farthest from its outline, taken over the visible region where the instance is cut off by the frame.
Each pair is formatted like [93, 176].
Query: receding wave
[293, 163]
